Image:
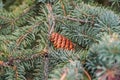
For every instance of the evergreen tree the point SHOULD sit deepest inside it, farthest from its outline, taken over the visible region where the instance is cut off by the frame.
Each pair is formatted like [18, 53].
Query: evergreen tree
[58, 40]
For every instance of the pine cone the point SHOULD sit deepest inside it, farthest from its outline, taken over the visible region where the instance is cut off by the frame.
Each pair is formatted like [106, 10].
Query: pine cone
[60, 41]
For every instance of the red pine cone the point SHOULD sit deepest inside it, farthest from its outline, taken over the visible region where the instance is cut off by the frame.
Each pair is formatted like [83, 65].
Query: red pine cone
[60, 41]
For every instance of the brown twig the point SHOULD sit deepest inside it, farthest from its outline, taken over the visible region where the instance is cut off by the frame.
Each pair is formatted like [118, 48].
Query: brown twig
[74, 19]
[50, 18]
[46, 61]
[63, 8]
[64, 74]
[87, 74]
[51, 25]
[16, 72]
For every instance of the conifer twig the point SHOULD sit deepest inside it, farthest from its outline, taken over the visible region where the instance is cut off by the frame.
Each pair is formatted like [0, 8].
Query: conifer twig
[50, 18]
[64, 74]
[74, 19]
[51, 25]
[63, 7]
[46, 61]
[12, 20]
[87, 74]
[22, 37]
[25, 11]
[22, 59]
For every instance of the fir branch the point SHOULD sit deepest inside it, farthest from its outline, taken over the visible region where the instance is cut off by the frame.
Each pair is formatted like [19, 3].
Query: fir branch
[51, 29]
[22, 37]
[50, 17]
[25, 11]
[12, 61]
[51, 26]
[74, 19]
[12, 19]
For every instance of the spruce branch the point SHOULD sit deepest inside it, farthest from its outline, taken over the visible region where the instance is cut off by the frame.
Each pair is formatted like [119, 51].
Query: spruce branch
[22, 37]
[50, 18]
[25, 11]
[50, 29]
[74, 19]
[51, 25]
[13, 19]
[18, 60]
